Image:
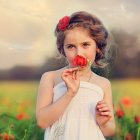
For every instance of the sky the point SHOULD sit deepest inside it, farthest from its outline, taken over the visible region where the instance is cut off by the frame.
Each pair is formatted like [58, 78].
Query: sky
[27, 26]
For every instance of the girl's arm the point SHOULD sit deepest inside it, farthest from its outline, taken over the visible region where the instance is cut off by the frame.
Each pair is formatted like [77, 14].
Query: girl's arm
[46, 112]
[105, 112]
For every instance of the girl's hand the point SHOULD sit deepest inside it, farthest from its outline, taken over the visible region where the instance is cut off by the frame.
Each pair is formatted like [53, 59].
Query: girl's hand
[103, 113]
[71, 80]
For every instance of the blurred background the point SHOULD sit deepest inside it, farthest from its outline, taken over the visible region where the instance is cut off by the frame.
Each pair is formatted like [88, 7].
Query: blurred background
[28, 49]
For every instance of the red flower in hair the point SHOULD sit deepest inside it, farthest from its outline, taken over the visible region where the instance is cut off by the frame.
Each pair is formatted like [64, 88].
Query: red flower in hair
[63, 23]
[81, 61]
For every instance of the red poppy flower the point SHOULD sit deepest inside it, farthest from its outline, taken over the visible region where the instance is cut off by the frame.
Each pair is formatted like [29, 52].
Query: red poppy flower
[6, 137]
[80, 61]
[127, 101]
[120, 113]
[137, 119]
[63, 23]
[129, 136]
[20, 116]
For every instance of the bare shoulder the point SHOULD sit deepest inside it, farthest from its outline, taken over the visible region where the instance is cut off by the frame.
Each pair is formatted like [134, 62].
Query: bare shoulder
[103, 82]
[45, 89]
[52, 76]
[47, 76]
[46, 81]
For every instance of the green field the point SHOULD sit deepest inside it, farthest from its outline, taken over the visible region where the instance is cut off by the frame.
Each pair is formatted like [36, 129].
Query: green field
[18, 100]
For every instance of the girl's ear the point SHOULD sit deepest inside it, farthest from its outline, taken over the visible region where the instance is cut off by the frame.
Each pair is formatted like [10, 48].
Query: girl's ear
[97, 50]
[63, 52]
[99, 54]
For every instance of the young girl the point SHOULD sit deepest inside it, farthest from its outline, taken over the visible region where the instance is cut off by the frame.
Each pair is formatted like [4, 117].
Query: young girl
[74, 103]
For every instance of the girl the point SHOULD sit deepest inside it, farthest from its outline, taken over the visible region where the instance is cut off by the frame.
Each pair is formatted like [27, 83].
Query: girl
[74, 103]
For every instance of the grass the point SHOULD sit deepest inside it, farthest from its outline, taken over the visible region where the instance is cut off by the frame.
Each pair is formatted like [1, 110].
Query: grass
[18, 101]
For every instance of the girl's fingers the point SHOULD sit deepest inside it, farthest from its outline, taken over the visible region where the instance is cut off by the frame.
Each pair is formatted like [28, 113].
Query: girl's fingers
[71, 69]
[101, 102]
[66, 74]
[101, 106]
[74, 75]
[106, 113]
[104, 109]
[71, 72]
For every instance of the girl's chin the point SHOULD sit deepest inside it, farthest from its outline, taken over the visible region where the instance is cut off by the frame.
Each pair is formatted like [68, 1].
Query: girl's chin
[82, 67]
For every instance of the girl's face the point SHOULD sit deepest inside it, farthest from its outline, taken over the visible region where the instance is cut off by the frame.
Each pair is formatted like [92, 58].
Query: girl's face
[79, 42]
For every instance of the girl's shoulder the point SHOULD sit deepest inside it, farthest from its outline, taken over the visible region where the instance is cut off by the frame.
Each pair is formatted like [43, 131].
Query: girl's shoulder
[102, 79]
[103, 82]
[54, 76]
[54, 73]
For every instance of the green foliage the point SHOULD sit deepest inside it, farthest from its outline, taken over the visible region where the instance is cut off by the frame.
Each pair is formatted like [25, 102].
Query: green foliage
[21, 129]
[19, 121]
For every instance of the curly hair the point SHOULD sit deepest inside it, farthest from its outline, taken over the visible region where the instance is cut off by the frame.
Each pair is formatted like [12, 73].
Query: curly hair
[96, 30]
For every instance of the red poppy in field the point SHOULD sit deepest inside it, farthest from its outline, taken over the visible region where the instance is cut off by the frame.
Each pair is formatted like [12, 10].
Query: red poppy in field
[119, 112]
[6, 137]
[129, 136]
[137, 119]
[20, 116]
[127, 101]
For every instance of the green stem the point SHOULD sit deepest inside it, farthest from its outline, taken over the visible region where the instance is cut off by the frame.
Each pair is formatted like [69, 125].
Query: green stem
[138, 133]
[25, 134]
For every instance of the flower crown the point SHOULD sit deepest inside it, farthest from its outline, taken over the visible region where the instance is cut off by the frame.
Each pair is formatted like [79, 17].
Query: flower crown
[63, 23]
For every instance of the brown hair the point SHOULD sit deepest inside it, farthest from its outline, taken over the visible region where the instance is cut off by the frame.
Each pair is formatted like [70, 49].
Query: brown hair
[95, 27]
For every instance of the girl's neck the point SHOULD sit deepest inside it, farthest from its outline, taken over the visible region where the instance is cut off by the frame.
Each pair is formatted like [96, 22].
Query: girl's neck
[84, 73]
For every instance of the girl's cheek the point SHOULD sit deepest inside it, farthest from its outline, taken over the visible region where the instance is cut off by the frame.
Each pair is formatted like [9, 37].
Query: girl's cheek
[70, 57]
[70, 54]
[92, 57]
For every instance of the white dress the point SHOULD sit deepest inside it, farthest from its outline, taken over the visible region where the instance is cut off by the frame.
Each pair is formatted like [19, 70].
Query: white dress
[78, 121]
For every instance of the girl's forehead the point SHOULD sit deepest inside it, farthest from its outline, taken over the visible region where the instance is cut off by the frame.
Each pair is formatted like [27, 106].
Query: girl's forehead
[77, 33]
[77, 30]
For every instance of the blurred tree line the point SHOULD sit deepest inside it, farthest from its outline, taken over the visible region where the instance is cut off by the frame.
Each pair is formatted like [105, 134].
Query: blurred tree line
[124, 61]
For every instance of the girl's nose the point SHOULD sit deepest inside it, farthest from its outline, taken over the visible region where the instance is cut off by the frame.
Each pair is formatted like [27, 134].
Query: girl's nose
[79, 51]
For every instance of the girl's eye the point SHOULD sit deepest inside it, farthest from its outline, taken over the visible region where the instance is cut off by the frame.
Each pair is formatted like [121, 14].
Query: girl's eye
[70, 46]
[85, 44]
